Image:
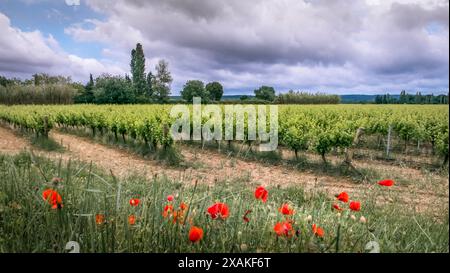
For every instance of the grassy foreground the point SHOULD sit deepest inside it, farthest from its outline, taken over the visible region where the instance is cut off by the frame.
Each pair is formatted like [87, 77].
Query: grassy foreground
[95, 209]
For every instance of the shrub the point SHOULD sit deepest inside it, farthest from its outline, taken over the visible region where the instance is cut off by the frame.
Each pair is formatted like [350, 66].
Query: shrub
[293, 97]
[40, 94]
[265, 93]
[194, 88]
[215, 90]
[113, 89]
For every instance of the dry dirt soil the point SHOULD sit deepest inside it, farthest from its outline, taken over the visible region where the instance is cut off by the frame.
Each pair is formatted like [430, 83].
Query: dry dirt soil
[209, 167]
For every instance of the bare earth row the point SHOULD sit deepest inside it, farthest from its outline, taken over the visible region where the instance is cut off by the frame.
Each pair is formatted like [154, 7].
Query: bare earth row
[211, 167]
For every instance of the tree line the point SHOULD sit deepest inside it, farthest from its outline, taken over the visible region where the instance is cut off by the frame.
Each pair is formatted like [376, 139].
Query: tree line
[39, 89]
[406, 98]
[300, 97]
[145, 87]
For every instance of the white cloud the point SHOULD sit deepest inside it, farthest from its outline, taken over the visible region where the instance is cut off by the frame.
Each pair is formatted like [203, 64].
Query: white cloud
[72, 2]
[25, 53]
[330, 45]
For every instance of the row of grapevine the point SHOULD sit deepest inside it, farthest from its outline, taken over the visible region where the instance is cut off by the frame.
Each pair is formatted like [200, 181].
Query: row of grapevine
[325, 127]
[319, 128]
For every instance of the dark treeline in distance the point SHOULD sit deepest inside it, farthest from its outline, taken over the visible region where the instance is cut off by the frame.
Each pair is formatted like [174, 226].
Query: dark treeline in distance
[405, 98]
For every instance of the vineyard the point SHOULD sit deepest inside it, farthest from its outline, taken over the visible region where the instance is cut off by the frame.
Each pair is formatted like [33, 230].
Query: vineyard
[318, 129]
[98, 197]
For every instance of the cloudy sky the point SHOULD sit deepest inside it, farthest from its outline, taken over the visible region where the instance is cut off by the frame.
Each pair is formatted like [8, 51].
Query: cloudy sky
[334, 46]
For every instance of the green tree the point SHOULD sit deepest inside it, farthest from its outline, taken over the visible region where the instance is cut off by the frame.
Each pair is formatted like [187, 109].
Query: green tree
[43, 78]
[193, 89]
[89, 90]
[161, 92]
[403, 97]
[138, 70]
[378, 99]
[418, 98]
[265, 93]
[215, 90]
[86, 94]
[161, 82]
[5, 81]
[127, 78]
[113, 89]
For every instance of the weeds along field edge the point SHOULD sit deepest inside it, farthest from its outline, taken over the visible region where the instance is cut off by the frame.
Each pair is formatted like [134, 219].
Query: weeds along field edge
[44, 204]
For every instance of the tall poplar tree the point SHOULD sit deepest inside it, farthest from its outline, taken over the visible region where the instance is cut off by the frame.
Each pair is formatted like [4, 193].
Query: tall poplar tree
[138, 70]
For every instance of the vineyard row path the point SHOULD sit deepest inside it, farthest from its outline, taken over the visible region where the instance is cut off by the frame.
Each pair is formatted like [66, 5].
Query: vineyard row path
[211, 167]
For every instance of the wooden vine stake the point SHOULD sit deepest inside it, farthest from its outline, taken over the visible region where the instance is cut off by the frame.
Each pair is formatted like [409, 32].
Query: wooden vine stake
[388, 146]
[349, 151]
[46, 127]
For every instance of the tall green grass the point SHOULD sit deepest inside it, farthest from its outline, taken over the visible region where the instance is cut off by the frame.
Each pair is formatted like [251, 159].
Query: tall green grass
[28, 224]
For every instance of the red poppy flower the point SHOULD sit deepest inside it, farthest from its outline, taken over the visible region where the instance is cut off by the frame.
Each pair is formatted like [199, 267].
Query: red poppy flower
[318, 231]
[195, 234]
[386, 183]
[336, 207]
[183, 206]
[219, 210]
[343, 196]
[170, 198]
[355, 206]
[99, 219]
[134, 202]
[286, 209]
[261, 193]
[283, 228]
[246, 219]
[168, 209]
[176, 215]
[132, 219]
[53, 198]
